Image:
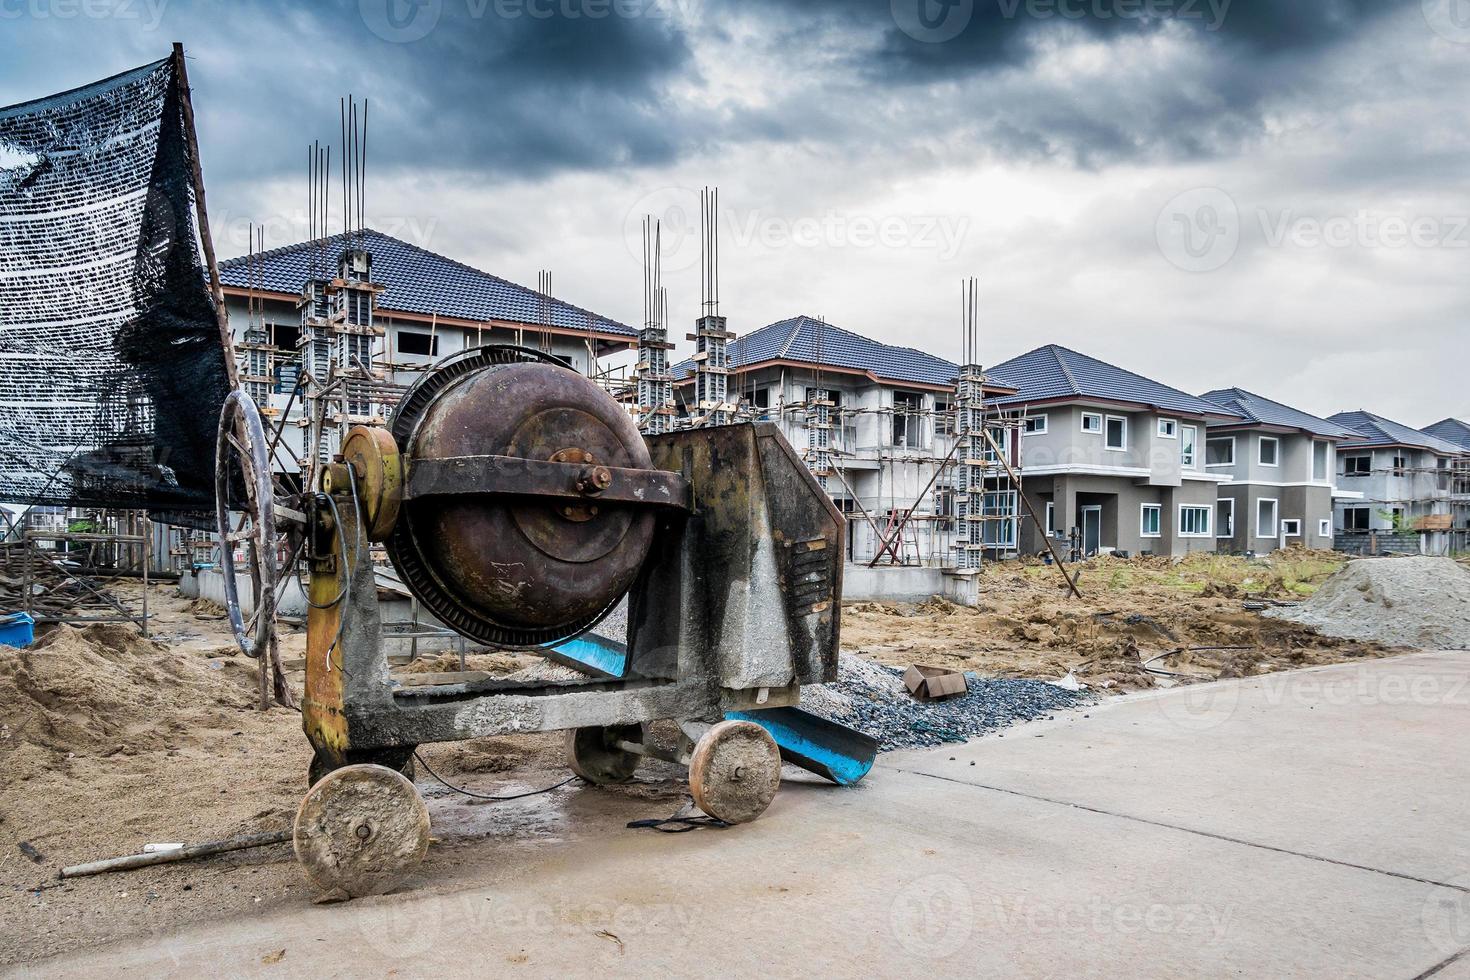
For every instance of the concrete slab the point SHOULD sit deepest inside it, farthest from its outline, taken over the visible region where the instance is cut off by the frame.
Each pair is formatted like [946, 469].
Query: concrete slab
[1124, 843]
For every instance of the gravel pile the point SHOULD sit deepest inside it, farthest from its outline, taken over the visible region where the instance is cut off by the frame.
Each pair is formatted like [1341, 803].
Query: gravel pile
[1399, 602]
[871, 698]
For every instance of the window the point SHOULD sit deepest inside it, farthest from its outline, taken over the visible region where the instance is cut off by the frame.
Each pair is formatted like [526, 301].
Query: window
[1116, 434]
[1168, 428]
[907, 419]
[1225, 517]
[1266, 518]
[1357, 465]
[1319, 462]
[286, 336]
[1051, 518]
[761, 398]
[1000, 507]
[1150, 525]
[1400, 465]
[1187, 445]
[1324, 528]
[1194, 522]
[420, 344]
[1220, 452]
[999, 436]
[1035, 425]
[1357, 518]
[943, 417]
[1091, 422]
[1291, 528]
[1270, 451]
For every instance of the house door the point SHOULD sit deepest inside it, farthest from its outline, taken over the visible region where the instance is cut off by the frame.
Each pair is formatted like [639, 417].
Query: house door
[1091, 529]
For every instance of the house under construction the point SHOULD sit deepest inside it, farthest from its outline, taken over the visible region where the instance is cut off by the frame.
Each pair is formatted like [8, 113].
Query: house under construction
[882, 428]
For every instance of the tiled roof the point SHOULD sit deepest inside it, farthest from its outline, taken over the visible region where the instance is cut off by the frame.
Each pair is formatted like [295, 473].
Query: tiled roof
[802, 338]
[1450, 430]
[418, 281]
[1053, 373]
[1264, 411]
[1379, 431]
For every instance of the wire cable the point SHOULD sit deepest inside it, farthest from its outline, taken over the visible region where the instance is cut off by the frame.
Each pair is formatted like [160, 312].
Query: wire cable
[481, 796]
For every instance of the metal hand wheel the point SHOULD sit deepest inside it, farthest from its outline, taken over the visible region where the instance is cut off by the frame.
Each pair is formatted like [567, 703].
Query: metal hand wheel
[241, 445]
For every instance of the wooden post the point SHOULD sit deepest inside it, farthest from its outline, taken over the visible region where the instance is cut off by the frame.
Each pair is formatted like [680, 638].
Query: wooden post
[1061, 565]
[147, 560]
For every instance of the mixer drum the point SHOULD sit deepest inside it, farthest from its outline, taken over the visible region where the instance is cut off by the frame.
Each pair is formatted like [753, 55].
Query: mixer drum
[513, 570]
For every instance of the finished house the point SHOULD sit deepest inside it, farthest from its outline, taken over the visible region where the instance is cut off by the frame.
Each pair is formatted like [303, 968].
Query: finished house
[1407, 479]
[1111, 460]
[1282, 465]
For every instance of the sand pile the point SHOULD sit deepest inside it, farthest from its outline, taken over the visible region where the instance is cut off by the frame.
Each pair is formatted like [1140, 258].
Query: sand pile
[88, 691]
[1402, 602]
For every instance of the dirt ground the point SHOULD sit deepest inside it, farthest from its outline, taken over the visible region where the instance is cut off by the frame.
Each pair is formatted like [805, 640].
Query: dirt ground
[109, 741]
[1132, 610]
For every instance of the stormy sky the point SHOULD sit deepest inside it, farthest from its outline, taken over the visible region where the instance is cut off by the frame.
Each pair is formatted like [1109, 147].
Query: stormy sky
[1271, 195]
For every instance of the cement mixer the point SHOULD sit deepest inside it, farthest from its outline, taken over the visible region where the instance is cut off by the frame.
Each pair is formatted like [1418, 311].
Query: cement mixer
[519, 504]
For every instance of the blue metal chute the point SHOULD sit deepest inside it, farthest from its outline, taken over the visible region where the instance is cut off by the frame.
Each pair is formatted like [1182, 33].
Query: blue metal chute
[807, 741]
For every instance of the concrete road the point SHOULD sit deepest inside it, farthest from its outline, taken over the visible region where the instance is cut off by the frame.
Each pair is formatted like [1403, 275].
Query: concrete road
[1310, 824]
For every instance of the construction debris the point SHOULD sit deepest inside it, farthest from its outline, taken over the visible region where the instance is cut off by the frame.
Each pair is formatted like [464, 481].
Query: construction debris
[44, 586]
[934, 683]
[1399, 602]
[872, 698]
[147, 858]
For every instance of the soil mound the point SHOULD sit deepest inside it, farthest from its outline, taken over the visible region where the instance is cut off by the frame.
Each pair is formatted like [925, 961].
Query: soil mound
[89, 690]
[1400, 602]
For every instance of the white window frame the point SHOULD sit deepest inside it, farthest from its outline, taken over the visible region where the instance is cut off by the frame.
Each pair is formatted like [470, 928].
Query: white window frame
[1261, 451]
[1217, 466]
[1209, 511]
[1143, 509]
[1352, 456]
[1275, 517]
[1051, 518]
[1108, 446]
[1326, 461]
[1040, 430]
[1324, 528]
[1168, 428]
[1220, 531]
[1190, 460]
[1092, 415]
[1291, 520]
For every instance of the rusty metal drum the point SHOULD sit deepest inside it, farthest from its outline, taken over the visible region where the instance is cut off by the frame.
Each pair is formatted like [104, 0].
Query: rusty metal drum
[511, 566]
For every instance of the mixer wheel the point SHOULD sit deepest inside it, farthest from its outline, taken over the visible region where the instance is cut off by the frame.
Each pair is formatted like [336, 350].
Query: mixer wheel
[735, 771]
[360, 831]
[593, 753]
